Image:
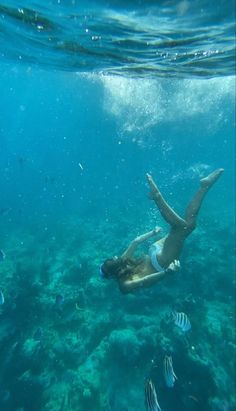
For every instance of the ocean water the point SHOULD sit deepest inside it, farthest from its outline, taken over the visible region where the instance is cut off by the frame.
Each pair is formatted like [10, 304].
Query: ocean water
[93, 96]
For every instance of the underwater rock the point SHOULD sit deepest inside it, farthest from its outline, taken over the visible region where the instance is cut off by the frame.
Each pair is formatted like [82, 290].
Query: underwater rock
[68, 354]
[124, 345]
[73, 275]
[222, 405]
[30, 348]
[7, 329]
[90, 370]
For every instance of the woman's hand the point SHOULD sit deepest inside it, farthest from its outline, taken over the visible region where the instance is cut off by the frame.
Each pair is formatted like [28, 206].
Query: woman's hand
[174, 266]
[156, 230]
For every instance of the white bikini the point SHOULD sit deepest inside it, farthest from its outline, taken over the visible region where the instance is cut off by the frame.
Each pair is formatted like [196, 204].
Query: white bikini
[153, 251]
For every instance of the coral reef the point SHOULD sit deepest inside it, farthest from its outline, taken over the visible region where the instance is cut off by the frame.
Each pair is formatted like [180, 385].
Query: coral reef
[92, 348]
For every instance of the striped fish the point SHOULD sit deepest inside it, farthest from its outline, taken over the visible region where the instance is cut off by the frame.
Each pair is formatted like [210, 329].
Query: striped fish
[2, 255]
[169, 374]
[2, 299]
[151, 397]
[182, 321]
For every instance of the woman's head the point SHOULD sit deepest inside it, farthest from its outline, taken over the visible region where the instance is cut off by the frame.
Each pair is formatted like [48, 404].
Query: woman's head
[116, 268]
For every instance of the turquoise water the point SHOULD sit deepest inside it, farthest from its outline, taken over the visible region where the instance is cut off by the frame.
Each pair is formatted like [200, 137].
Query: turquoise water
[93, 96]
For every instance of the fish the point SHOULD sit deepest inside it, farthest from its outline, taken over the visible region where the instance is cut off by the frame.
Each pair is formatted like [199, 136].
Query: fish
[2, 299]
[169, 374]
[151, 397]
[59, 300]
[5, 395]
[191, 397]
[38, 334]
[2, 255]
[182, 321]
[5, 210]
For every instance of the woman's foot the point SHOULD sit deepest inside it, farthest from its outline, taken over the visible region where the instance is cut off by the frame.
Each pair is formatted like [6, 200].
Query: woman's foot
[154, 192]
[208, 181]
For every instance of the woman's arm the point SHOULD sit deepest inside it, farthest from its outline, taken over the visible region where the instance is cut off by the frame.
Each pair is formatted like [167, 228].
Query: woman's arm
[129, 285]
[138, 240]
[147, 281]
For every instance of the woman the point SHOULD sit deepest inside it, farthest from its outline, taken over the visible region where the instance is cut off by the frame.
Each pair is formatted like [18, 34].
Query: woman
[163, 255]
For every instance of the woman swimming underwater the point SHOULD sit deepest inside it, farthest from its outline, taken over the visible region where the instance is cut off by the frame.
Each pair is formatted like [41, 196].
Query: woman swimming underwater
[163, 255]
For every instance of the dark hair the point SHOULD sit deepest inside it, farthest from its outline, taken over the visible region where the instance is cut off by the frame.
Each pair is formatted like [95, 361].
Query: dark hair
[118, 267]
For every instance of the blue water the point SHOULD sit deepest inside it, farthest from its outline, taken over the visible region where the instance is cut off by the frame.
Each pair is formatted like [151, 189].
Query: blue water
[93, 96]
[174, 38]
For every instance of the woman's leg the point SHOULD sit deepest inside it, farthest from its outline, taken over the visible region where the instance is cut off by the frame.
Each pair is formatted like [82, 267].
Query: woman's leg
[180, 228]
[196, 202]
[166, 211]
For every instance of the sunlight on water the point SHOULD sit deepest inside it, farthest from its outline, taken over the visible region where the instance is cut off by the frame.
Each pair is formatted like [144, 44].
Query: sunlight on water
[144, 39]
[140, 104]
